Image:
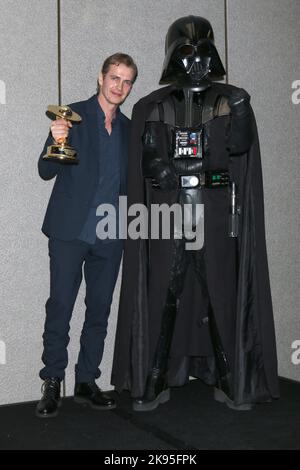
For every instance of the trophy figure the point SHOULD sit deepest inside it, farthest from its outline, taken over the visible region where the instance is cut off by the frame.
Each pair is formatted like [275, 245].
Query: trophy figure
[61, 151]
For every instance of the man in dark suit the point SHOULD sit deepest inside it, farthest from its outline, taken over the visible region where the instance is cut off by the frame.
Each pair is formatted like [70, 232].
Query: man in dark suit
[101, 141]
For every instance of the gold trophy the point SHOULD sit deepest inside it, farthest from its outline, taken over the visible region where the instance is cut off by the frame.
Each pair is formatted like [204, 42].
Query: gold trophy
[61, 152]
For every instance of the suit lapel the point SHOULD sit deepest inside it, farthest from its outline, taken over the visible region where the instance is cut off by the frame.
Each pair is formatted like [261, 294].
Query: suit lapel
[124, 156]
[93, 144]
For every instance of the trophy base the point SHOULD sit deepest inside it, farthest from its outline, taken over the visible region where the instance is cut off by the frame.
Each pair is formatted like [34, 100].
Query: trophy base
[61, 154]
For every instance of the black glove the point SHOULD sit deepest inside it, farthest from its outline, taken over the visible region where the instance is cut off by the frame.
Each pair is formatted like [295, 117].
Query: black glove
[241, 135]
[239, 102]
[164, 174]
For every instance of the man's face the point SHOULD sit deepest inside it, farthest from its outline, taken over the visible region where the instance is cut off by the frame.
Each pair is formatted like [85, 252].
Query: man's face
[116, 84]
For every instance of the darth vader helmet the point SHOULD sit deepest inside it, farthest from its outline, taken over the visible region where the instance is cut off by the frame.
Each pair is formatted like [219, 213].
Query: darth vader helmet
[191, 55]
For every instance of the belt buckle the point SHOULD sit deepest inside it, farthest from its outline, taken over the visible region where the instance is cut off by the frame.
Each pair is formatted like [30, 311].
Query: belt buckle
[190, 181]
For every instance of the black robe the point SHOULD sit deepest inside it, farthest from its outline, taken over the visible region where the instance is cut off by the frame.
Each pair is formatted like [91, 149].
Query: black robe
[236, 272]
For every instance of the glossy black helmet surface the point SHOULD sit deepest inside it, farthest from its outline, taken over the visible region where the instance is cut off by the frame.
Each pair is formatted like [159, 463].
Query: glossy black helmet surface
[191, 55]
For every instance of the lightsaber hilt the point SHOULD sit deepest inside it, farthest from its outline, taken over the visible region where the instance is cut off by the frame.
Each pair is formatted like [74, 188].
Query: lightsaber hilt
[233, 229]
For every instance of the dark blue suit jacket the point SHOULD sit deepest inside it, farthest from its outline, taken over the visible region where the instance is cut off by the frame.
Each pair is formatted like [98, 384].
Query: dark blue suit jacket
[75, 185]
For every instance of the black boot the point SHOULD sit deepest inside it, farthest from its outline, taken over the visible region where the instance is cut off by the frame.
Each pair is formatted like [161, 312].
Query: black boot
[91, 394]
[221, 397]
[156, 393]
[48, 405]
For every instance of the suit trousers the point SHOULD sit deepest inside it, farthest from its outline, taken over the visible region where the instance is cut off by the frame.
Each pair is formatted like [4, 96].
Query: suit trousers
[100, 263]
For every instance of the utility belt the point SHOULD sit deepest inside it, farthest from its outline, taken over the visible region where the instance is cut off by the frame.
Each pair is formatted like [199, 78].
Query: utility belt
[205, 179]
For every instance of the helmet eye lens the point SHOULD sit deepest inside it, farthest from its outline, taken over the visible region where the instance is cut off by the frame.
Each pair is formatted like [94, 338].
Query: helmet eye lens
[187, 50]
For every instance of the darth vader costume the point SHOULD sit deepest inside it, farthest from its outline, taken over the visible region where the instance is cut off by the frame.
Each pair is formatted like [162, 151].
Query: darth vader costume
[204, 312]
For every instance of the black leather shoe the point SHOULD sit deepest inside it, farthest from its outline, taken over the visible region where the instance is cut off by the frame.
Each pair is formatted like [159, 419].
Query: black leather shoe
[156, 393]
[91, 394]
[48, 405]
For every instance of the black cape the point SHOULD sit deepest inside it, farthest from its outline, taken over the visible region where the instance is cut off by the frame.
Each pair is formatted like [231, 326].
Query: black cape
[237, 278]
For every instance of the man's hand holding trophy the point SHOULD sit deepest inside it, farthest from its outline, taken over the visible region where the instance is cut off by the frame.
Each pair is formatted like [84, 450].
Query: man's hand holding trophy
[62, 117]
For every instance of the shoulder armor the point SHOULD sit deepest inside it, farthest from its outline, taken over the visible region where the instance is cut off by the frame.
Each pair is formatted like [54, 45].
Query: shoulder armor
[163, 111]
[215, 105]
